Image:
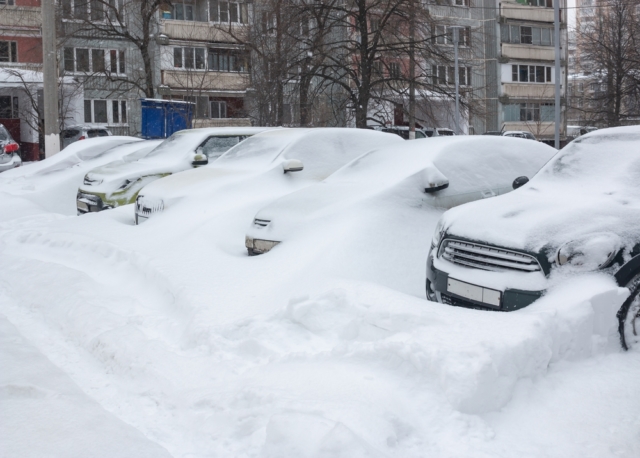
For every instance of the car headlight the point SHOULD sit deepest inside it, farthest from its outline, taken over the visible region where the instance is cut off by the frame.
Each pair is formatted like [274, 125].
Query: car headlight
[88, 181]
[126, 184]
[438, 233]
[146, 206]
[588, 253]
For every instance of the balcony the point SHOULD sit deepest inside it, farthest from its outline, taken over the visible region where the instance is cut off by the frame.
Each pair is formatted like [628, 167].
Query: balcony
[205, 81]
[528, 91]
[202, 31]
[528, 52]
[513, 10]
[21, 17]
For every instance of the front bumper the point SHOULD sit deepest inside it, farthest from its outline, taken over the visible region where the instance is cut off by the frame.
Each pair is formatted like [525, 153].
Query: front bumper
[145, 207]
[449, 291]
[256, 246]
[89, 203]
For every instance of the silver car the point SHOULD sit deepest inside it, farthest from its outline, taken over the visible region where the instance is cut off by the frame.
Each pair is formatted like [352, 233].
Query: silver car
[9, 151]
[82, 132]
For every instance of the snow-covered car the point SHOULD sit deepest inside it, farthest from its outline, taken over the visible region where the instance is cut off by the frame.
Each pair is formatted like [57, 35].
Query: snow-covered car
[281, 160]
[119, 182]
[445, 131]
[9, 151]
[82, 132]
[441, 172]
[519, 134]
[403, 131]
[579, 214]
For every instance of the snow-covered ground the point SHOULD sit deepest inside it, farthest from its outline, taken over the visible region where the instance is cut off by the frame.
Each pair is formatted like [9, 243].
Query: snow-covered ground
[166, 339]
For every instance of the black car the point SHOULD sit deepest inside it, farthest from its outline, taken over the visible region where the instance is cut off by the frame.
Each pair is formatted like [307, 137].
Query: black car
[580, 213]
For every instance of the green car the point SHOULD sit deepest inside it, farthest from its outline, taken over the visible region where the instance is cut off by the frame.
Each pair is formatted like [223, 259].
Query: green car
[119, 182]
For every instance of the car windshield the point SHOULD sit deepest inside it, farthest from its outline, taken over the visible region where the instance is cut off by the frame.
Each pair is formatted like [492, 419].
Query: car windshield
[4, 134]
[263, 147]
[179, 142]
[213, 147]
[599, 161]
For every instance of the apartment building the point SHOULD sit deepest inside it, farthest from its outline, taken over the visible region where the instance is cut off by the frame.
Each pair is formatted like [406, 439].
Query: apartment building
[201, 59]
[20, 49]
[522, 65]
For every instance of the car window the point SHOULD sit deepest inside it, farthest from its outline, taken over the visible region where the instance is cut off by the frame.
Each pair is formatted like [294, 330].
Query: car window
[70, 133]
[213, 147]
[420, 134]
[4, 133]
[103, 133]
[93, 133]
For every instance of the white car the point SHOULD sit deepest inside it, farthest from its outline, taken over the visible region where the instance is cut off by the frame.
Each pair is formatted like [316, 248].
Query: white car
[119, 182]
[278, 161]
[580, 214]
[442, 172]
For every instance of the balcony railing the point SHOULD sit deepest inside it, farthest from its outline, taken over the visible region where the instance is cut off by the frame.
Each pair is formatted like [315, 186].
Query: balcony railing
[202, 31]
[513, 10]
[203, 80]
[529, 91]
[528, 52]
[28, 17]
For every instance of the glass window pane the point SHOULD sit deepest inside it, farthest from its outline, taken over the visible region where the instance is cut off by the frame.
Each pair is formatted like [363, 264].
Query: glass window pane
[504, 33]
[115, 111]
[200, 58]
[213, 11]
[532, 73]
[177, 57]
[515, 34]
[545, 39]
[188, 58]
[82, 60]
[68, 59]
[81, 9]
[87, 111]
[113, 61]
[540, 74]
[97, 58]
[549, 77]
[525, 35]
[97, 10]
[514, 73]
[233, 12]
[535, 35]
[123, 111]
[121, 61]
[524, 73]
[188, 12]
[224, 11]
[100, 111]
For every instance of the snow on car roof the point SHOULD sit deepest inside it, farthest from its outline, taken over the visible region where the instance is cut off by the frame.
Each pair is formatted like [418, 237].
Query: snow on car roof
[590, 186]
[321, 150]
[467, 161]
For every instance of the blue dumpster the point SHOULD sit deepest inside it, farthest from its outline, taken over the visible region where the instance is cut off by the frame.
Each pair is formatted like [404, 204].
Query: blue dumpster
[161, 118]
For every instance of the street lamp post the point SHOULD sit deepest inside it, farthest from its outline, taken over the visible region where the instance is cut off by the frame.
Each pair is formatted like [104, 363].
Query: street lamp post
[456, 39]
[556, 8]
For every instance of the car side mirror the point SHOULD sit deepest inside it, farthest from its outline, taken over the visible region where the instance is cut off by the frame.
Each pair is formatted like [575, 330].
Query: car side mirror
[199, 158]
[434, 180]
[520, 181]
[292, 165]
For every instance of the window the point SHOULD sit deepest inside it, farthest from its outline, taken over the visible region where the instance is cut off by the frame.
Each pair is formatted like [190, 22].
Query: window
[183, 11]
[105, 111]
[8, 51]
[539, 36]
[529, 112]
[91, 60]
[377, 68]
[94, 10]
[394, 70]
[218, 109]
[227, 12]
[9, 107]
[177, 57]
[374, 25]
[116, 61]
[97, 10]
[217, 60]
[443, 35]
[115, 11]
[6, 2]
[460, 2]
[447, 75]
[530, 74]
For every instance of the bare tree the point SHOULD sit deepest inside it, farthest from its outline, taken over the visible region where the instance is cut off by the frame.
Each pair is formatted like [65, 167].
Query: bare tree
[610, 54]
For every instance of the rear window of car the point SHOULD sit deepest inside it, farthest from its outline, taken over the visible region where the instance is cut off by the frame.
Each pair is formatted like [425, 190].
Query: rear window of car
[97, 133]
[69, 133]
[4, 133]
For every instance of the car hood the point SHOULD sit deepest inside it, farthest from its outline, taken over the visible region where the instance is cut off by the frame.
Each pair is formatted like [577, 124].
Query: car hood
[534, 217]
[109, 177]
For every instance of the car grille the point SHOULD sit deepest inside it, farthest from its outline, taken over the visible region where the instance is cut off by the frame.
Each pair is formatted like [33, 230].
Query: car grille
[487, 258]
[458, 302]
[147, 207]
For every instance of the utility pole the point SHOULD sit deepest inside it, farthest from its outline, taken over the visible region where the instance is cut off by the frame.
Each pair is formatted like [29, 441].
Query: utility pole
[50, 79]
[556, 7]
[412, 73]
[456, 39]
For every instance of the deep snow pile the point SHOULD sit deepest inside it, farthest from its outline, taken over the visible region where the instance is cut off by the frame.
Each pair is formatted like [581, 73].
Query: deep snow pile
[168, 335]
